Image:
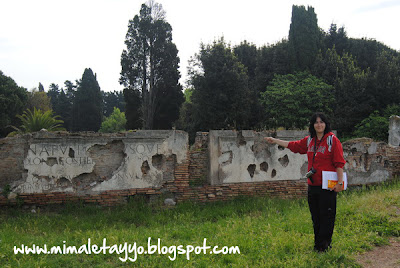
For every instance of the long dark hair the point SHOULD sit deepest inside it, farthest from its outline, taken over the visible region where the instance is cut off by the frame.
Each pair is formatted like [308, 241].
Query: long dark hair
[324, 119]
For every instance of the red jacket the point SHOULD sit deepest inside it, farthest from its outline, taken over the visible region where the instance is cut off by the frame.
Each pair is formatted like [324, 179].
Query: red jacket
[329, 154]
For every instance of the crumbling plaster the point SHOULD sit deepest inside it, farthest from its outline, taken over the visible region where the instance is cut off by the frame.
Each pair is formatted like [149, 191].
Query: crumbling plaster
[93, 163]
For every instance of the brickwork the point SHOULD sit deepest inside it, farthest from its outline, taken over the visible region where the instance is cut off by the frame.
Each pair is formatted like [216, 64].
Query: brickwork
[188, 179]
[199, 160]
[393, 155]
[12, 157]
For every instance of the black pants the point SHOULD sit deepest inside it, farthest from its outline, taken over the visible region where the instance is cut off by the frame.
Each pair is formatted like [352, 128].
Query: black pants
[322, 204]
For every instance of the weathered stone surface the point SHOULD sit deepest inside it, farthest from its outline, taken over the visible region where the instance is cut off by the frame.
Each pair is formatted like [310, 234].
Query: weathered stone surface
[142, 153]
[244, 156]
[53, 168]
[394, 130]
[90, 162]
[366, 161]
[169, 202]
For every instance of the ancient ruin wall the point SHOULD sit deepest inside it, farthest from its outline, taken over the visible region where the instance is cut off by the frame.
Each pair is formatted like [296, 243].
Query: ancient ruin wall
[45, 167]
[90, 163]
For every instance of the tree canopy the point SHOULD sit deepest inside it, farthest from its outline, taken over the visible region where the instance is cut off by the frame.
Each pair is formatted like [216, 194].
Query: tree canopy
[220, 89]
[354, 80]
[114, 123]
[13, 99]
[304, 38]
[291, 99]
[87, 107]
[149, 72]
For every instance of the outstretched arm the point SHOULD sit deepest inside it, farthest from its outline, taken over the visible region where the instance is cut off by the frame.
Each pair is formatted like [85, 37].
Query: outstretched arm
[277, 141]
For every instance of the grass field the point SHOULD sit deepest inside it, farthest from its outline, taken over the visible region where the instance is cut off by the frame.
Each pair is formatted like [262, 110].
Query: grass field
[268, 232]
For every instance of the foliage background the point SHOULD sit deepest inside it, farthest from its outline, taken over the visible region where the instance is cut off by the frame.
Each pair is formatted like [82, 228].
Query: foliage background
[231, 87]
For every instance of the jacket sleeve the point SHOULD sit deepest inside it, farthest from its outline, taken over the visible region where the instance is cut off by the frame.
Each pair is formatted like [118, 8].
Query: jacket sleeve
[338, 159]
[299, 146]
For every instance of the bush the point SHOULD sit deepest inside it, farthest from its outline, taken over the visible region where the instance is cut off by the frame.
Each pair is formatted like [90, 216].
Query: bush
[114, 123]
[38, 120]
[376, 125]
[291, 99]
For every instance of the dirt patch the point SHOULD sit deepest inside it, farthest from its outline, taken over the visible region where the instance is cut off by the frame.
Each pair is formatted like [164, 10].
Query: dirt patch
[382, 257]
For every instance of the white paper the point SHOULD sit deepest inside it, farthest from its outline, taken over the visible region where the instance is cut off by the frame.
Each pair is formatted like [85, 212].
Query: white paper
[332, 176]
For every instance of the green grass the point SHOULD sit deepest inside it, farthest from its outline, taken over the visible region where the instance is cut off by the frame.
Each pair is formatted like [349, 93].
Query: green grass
[268, 232]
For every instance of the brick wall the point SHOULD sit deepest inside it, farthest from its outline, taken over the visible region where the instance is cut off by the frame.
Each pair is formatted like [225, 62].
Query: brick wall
[188, 180]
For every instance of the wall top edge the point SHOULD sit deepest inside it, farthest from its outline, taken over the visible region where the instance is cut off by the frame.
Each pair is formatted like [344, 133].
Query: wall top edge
[120, 135]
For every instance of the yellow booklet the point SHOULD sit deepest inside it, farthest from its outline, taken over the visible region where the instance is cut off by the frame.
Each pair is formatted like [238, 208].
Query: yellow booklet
[332, 184]
[330, 179]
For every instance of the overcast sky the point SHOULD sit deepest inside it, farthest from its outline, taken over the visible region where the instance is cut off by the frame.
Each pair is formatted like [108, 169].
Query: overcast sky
[51, 41]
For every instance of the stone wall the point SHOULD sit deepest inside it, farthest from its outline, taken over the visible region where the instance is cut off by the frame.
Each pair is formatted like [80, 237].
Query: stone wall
[368, 161]
[394, 130]
[45, 168]
[244, 156]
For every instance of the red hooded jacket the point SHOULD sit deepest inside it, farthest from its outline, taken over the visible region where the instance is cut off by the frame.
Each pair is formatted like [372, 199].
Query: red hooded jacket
[329, 154]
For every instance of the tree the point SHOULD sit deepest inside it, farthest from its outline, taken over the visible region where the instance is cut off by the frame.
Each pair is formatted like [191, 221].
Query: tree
[114, 123]
[64, 109]
[290, 99]
[186, 120]
[336, 38]
[41, 88]
[113, 100]
[188, 94]
[150, 69]
[220, 89]
[87, 107]
[133, 111]
[61, 102]
[353, 100]
[38, 120]
[304, 37]
[366, 51]
[12, 102]
[272, 60]
[386, 88]
[38, 100]
[376, 125]
[53, 94]
[70, 89]
[247, 53]
[329, 66]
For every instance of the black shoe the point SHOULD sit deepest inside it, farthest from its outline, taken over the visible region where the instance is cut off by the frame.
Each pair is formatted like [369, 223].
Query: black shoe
[325, 249]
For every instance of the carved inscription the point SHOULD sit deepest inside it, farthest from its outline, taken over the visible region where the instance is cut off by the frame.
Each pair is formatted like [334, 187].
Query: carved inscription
[52, 166]
[142, 152]
[52, 154]
[144, 149]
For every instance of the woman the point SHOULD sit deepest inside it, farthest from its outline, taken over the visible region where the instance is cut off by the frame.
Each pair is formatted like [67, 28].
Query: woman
[325, 153]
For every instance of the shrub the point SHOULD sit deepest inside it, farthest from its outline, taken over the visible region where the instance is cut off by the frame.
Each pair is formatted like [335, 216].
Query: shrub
[376, 125]
[114, 123]
[32, 122]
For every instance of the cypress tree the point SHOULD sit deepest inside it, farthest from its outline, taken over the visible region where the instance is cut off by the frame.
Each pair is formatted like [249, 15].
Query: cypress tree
[87, 106]
[304, 38]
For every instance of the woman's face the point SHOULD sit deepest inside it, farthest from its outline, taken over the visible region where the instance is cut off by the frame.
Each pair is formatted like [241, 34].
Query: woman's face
[319, 125]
